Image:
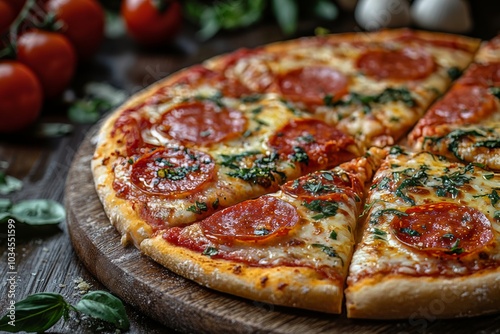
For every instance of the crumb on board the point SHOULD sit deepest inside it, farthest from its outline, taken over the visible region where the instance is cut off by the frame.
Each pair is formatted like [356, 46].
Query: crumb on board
[82, 286]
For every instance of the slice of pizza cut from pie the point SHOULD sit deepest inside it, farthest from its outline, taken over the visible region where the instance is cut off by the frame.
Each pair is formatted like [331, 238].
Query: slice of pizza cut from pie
[178, 153]
[464, 124]
[290, 248]
[374, 86]
[430, 243]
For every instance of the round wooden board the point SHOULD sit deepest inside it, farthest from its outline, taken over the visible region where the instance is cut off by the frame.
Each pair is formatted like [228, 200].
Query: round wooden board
[186, 306]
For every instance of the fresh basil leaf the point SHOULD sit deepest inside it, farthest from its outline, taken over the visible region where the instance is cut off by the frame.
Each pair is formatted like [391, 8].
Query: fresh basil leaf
[5, 205]
[9, 184]
[36, 313]
[104, 306]
[209, 24]
[326, 10]
[38, 212]
[88, 111]
[286, 13]
[53, 130]
[105, 92]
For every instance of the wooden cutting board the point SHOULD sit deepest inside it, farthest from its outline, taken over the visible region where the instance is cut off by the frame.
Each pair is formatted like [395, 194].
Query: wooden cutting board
[186, 306]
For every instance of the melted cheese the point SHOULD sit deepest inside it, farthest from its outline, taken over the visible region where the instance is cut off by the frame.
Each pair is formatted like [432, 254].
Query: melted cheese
[380, 252]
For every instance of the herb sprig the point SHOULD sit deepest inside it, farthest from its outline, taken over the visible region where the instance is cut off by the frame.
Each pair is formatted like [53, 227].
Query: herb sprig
[40, 311]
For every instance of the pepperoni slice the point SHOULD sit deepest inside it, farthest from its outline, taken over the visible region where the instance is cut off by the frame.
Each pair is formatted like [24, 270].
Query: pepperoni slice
[411, 37]
[406, 64]
[130, 124]
[312, 143]
[487, 75]
[202, 123]
[312, 83]
[460, 106]
[327, 185]
[443, 228]
[252, 220]
[172, 172]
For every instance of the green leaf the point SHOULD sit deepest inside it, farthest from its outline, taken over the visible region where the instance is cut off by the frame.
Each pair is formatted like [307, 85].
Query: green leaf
[9, 184]
[53, 130]
[36, 313]
[104, 306]
[5, 205]
[87, 111]
[326, 10]
[38, 212]
[286, 14]
[209, 24]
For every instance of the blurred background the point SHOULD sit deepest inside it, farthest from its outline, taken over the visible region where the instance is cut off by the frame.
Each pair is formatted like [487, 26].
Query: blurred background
[105, 50]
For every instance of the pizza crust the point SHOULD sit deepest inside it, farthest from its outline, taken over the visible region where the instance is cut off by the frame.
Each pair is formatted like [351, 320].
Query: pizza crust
[399, 296]
[289, 286]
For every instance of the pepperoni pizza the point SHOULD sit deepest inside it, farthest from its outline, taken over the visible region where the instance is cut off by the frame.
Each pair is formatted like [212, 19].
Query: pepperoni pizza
[247, 173]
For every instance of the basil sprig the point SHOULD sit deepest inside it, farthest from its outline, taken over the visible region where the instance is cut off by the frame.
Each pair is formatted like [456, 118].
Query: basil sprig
[9, 184]
[32, 212]
[41, 311]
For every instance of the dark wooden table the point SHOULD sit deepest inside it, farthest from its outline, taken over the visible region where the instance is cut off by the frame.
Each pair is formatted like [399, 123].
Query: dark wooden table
[46, 262]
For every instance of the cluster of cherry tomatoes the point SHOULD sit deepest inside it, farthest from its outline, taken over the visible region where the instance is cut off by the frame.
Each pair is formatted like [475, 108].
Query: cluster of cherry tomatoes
[43, 41]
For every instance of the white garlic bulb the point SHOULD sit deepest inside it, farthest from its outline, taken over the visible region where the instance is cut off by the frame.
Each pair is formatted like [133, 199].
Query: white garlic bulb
[377, 14]
[444, 15]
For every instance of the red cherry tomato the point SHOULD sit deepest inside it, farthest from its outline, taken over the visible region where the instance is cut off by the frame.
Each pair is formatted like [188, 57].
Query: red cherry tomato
[83, 24]
[7, 16]
[149, 25]
[20, 96]
[51, 56]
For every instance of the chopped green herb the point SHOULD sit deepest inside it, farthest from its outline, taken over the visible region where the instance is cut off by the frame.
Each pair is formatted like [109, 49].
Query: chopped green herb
[177, 173]
[495, 91]
[494, 198]
[448, 236]
[261, 231]
[455, 249]
[198, 207]
[376, 215]
[492, 143]
[327, 250]
[333, 235]
[205, 133]
[396, 150]
[324, 208]
[299, 155]
[379, 234]
[215, 204]
[454, 73]
[409, 231]
[210, 251]
[251, 98]
[488, 176]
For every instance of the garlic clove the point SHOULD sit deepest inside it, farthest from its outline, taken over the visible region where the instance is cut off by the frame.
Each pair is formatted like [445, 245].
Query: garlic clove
[377, 14]
[444, 15]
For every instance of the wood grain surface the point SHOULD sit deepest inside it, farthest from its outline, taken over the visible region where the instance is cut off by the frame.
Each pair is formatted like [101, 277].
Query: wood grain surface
[186, 306]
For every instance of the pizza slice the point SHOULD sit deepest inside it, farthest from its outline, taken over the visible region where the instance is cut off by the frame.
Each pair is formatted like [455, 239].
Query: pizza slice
[373, 86]
[181, 151]
[465, 124]
[290, 248]
[431, 241]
